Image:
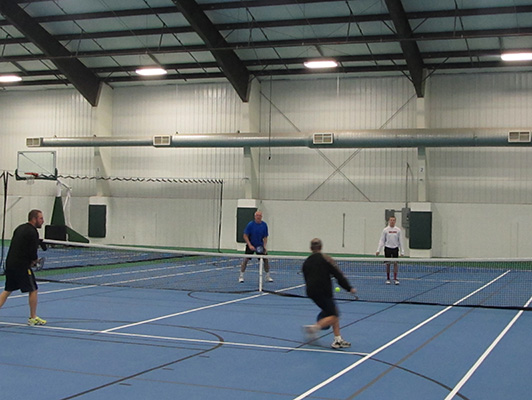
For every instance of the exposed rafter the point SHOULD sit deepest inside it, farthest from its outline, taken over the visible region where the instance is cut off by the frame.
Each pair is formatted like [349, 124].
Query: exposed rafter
[85, 81]
[262, 38]
[493, 33]
[229, 63]
[409, 47]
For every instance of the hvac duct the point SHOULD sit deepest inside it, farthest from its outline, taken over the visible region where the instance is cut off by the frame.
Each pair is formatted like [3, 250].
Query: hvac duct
[343, 139]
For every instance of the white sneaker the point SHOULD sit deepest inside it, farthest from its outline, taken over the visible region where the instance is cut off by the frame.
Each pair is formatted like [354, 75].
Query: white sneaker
[340, 344]
[396, 282]
[269, 278]
[388, 281]
[241, 278]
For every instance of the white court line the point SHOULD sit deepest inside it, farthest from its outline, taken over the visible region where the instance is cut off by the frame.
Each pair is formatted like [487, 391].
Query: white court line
[142, 271]
[486, 353]
[175, 339]
[398, 338]
[147, 321]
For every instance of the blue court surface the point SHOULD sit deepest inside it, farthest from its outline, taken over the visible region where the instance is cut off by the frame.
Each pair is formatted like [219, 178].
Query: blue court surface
[128, 343]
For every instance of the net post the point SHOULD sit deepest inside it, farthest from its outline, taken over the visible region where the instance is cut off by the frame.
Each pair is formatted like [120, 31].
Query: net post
[261, 268]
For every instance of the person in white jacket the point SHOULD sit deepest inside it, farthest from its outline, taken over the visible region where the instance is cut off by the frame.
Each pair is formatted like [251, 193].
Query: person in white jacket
[392, 243]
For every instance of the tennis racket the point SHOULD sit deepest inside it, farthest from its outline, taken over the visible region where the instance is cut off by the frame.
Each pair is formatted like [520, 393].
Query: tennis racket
[348, 297]
[39, 264]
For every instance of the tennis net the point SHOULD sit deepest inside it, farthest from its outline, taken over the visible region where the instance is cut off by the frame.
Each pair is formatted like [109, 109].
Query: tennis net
[462, 282]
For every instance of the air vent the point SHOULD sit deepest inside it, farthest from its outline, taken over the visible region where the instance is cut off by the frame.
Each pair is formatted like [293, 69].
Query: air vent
[33, 142]
[323, 138]
[162, 140]
[519, 137]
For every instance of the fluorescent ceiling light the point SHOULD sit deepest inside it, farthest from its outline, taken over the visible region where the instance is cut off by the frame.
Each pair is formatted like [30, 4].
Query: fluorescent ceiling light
[151, 71]
[516, 57]
[314, 64]
[10, 78]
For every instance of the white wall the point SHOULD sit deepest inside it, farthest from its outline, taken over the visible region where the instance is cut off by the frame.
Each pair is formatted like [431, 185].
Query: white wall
[304, 193]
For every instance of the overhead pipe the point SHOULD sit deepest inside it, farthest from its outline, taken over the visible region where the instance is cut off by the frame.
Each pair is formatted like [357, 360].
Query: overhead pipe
[408, 138]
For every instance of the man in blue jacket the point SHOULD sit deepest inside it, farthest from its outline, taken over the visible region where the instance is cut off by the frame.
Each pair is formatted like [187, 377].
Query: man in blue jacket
[256, 238]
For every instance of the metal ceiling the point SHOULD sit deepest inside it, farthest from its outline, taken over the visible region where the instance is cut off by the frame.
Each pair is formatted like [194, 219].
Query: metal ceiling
[89, 43]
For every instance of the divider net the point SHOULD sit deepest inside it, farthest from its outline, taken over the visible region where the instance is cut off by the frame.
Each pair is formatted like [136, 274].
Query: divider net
[463, 282]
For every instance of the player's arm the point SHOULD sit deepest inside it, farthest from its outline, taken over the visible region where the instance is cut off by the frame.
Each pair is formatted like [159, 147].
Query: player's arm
[335, 271]
[246, 239]
[381, 242]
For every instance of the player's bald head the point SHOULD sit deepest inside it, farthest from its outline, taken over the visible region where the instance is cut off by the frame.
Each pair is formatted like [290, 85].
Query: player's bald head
[316, 244]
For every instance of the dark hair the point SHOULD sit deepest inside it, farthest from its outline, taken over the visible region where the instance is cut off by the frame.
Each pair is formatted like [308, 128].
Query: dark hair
[33, 214]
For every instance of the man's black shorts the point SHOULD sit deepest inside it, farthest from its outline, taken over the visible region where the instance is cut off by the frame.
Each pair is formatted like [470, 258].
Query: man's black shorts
[18, 278]
[391, 253]
[327, 305]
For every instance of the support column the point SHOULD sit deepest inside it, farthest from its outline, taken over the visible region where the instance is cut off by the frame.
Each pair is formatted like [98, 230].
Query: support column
[421, 117]
[102, 123]
[421, 174]
[250, 124]
[251, 173]
[102, 126]
[420, 219]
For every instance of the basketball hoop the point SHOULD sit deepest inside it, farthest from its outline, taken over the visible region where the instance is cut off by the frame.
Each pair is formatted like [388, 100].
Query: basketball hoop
[30, 177]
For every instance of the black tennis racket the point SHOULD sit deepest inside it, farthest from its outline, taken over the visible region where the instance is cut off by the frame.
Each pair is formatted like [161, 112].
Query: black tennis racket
[39, 264]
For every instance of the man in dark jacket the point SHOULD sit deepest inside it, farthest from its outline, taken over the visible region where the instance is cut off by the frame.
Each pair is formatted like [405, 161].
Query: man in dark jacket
[22, 255]
[317, 270]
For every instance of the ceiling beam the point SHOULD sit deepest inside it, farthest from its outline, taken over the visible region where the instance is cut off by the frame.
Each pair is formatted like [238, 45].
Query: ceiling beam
[342, 40]
[409, 47]
[372, 69]
[270, 62]
[86, 82]
[451, 13]
[233, 68]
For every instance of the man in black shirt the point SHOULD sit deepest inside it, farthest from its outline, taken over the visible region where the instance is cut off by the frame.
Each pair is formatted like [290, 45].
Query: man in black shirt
[22, 255]
[317, 270]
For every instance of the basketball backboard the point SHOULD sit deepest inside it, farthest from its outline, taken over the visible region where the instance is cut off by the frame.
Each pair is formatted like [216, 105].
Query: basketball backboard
[36, 164]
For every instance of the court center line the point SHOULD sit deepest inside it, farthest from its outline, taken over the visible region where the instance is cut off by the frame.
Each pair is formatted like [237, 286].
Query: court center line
[393, 341]
[147, 321]
[191, 310]
[486, 353]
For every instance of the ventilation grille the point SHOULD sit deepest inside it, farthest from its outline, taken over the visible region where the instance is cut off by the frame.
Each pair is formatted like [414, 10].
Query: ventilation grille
[323, 138]
[33, 142]
[162, 140]
[519, 137]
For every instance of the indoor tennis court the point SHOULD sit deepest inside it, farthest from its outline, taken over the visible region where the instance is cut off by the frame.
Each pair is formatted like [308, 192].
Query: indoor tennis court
[155, 138]
[129, 329]
[106, 341]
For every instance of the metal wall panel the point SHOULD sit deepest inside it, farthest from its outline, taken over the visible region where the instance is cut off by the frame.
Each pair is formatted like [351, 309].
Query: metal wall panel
[479, 101]
[376, 177]
[336, 104]
[365, 175]
[46, 113]
[167, 110]
[480, 175]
